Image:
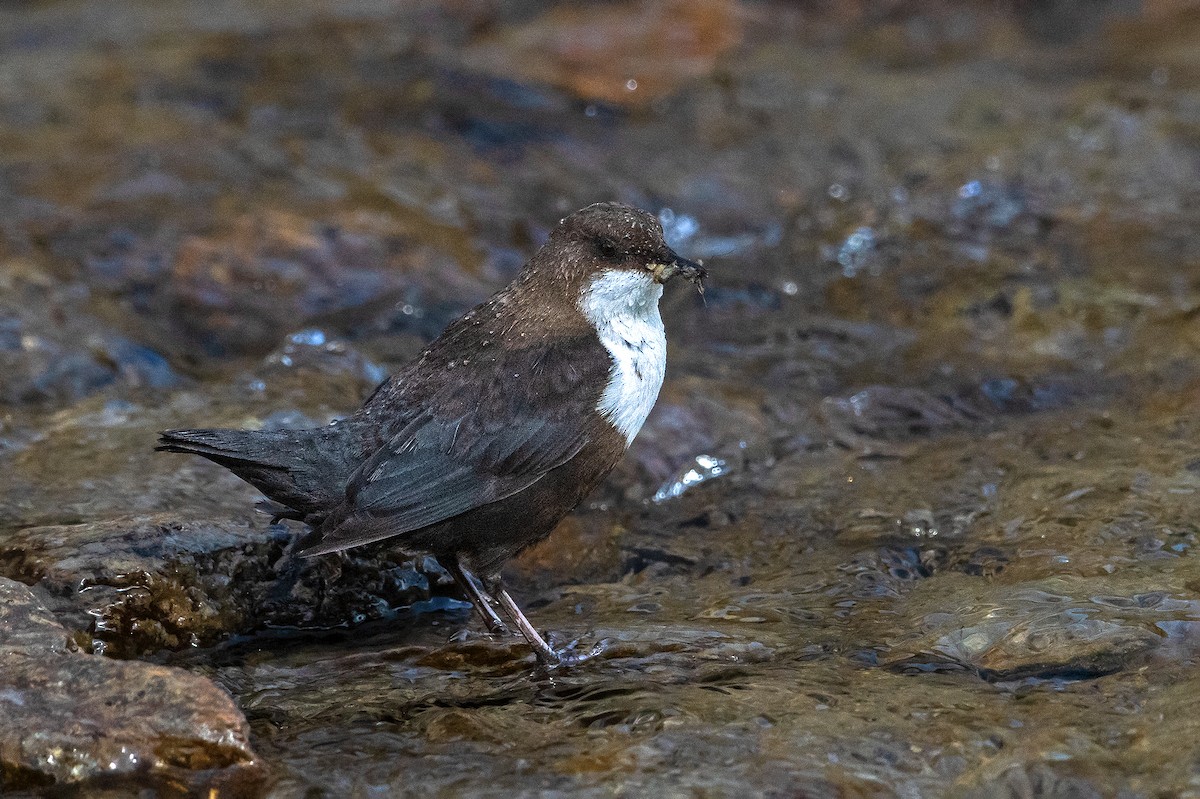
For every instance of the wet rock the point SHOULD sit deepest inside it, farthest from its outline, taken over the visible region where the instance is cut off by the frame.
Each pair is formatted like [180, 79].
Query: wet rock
[239, 290]
[1038, 631]
[887, 572]
[817, 355]
[594, 53]
[879, 419]
[986, 562]
[148, 583]
[314, 362]
[93, 461]
[53, 351]
[71, 719]
[1039, 781]
[1051, 646]
[28, 626]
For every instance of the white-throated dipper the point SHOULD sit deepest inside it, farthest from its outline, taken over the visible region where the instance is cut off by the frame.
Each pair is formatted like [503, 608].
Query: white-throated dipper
[477, 449]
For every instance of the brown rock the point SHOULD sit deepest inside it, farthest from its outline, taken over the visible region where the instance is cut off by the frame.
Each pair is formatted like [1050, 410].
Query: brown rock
[26, 626]
[628, 54]
[72, 719]
[147, 583]
[1059, 627]
[238, 290]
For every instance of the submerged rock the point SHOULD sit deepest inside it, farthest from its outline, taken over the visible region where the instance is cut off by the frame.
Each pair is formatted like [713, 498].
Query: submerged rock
[879, 420]
[1036, 780]
[73, 719]
[1046, 629]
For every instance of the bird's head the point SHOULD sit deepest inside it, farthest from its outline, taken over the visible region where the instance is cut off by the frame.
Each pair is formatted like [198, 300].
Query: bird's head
[607, 238]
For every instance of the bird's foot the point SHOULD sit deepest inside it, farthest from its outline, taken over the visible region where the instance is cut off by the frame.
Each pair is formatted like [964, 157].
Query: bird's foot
[549, 656]
[569, 656]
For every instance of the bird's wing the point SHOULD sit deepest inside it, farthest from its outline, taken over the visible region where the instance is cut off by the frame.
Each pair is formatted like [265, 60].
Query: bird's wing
[420, 477]
[476, 446]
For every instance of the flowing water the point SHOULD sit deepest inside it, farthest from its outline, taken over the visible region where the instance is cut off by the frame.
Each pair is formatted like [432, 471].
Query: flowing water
[916, 510]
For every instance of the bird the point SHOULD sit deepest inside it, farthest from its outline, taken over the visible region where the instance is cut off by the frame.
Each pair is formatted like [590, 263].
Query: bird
[475, 450]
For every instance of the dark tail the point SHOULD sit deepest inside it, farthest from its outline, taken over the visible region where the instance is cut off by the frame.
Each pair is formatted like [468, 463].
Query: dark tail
[223, 446]
[305, 470]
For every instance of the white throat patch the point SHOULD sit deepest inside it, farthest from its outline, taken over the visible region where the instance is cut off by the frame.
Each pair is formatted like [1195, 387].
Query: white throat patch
[623, 307]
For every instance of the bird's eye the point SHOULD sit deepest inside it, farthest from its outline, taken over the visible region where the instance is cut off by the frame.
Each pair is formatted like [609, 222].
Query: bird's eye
[607, 249]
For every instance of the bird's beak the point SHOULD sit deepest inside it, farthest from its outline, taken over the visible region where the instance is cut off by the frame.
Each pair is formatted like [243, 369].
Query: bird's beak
[678, 265]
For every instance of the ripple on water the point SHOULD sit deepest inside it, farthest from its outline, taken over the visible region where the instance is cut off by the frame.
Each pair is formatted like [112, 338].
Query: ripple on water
[1051, 629]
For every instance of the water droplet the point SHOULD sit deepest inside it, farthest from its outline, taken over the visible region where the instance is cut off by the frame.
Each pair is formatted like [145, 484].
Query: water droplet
[856, 250]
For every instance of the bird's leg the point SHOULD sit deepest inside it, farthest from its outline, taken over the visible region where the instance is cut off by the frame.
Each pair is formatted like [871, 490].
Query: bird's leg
[482, 603]
[545, 653]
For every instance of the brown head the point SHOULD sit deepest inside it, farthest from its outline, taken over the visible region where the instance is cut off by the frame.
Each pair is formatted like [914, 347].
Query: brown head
[611, 236]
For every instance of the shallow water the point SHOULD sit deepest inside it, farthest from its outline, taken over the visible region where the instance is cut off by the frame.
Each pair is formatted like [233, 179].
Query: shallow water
[946, 362]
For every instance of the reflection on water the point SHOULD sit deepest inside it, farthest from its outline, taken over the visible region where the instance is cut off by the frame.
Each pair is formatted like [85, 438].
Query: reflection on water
[946, 375]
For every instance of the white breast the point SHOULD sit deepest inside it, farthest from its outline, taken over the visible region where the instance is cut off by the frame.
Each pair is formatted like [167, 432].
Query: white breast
[623, 306]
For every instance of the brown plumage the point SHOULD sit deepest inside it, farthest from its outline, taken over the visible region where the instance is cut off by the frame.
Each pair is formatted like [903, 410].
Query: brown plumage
[478, 448]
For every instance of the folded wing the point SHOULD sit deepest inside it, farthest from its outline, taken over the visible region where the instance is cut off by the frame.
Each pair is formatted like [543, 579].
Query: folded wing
[472, 447]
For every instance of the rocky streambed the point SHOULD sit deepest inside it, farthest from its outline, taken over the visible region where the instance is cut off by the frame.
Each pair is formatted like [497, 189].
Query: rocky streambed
[914, 515]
